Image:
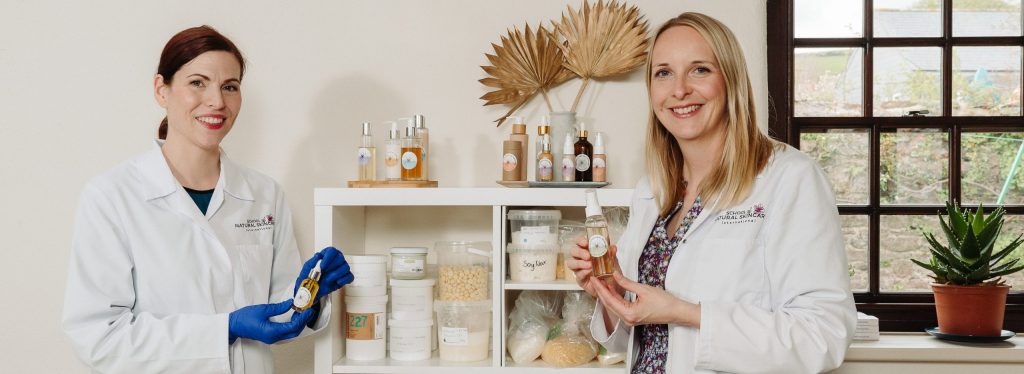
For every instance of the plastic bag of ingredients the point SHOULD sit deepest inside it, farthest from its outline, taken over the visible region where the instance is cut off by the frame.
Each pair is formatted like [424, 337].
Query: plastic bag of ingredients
[609, 358]
[569, 343]
[534, 314]
[617, 217]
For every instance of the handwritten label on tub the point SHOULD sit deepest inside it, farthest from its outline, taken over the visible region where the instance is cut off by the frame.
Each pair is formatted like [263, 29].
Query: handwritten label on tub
[454, 335]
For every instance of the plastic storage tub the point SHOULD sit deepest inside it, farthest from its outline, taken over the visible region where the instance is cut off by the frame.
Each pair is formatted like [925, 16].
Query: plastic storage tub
[412, 299]
[568, 231]
[463, 330]
[532, 263]
[408, 262]
[367, 323]
[534, 227]
[463, 269]
[410, 340]
[370, 275]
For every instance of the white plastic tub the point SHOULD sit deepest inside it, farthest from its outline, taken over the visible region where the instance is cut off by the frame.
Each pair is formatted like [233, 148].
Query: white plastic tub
[412, 299]
[463, 330]
[532, 263]
[370, 276]
[365, 334]
[409, 340]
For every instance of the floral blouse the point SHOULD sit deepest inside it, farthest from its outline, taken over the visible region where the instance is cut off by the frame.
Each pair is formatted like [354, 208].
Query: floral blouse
[653, 347]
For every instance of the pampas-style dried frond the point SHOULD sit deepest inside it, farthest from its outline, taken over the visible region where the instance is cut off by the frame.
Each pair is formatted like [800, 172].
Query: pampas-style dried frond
[524, 64]
[602, 41]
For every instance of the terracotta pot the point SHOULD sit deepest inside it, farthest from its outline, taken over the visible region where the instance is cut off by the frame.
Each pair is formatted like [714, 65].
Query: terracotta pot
[970, 310]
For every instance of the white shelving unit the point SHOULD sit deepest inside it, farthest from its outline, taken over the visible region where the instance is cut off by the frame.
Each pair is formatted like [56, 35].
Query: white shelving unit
[344, 217]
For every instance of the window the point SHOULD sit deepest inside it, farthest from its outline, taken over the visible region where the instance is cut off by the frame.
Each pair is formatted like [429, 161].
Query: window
[905, 104]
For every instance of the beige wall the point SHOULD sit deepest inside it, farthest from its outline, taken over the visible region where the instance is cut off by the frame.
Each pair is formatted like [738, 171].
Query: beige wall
[75, 99]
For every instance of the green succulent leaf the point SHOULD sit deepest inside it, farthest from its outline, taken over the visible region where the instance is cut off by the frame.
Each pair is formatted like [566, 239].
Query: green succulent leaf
[970, 250]
[1008, 249]
[978, 222]
[951, 236]
[956, 219]
[1005, 272]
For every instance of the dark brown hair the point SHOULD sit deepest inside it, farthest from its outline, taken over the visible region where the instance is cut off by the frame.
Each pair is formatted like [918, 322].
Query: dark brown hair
[186, 46]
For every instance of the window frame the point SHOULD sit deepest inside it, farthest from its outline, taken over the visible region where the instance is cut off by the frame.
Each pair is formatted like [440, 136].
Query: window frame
[896, 311]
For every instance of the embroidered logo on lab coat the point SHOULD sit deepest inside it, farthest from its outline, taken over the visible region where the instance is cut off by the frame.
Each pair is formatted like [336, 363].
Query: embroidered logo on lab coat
[732, 217]
[257, 224]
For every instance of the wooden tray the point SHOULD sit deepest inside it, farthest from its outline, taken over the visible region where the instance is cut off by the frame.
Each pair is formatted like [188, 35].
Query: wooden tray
[392, 184]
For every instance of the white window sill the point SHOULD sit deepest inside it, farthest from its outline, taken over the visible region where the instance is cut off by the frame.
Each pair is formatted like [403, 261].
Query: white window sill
[921, 347]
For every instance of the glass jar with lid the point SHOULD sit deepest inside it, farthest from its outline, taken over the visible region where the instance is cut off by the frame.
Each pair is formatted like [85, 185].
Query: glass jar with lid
[408, 262]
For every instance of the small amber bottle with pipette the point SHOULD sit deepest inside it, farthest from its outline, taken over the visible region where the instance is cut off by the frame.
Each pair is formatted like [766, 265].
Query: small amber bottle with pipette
[304, 296]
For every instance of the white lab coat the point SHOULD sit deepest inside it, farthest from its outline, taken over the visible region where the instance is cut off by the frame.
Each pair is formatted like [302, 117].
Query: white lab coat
[152, 281]
[769, 273]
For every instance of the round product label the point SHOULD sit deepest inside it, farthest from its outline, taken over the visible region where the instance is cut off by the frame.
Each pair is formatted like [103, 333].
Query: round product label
[598, 245]
[509, 162]
[567, 166]
[391, 158]
[582, 162]
[301, 299]
[545, 168]
[409, 160]
[364, 156]
[598, 163]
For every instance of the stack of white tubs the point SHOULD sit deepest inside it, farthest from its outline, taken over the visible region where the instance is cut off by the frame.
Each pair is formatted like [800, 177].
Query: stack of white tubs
[366, 302]
[412, 319]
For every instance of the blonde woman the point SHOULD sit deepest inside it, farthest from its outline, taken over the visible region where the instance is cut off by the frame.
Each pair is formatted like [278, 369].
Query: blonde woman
[733, 258]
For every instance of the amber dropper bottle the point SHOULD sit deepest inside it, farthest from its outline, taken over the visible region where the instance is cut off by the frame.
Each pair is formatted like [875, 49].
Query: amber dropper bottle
[307, 290]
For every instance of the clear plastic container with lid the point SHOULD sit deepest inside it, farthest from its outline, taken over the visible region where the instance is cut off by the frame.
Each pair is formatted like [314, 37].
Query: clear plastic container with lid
[532, 263]
[370, 275]
[408, 263]
[463, 269]
[463, 330]
[535, 227]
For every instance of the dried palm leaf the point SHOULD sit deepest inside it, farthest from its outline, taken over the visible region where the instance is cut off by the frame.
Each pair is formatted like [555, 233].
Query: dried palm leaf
[523, 65]
[602, 41]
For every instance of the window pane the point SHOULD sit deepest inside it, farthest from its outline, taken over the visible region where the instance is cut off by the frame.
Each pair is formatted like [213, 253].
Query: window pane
[914, 167]
[986, 17]
[828, 18]
[902, 18]
[907, 79]
[844, 155]
[899, 240]
[987, 163]
[987, 81]
[1013, 226]
[828, 82]
[855, 233]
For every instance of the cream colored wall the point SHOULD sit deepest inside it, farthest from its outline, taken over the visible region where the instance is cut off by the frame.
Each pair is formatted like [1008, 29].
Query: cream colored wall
[75, 99]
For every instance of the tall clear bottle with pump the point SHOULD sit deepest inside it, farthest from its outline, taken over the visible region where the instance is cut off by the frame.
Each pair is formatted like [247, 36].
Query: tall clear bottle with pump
[412, 155]
[367, 156]
[393, 154]
[420, 123]
[598, 239]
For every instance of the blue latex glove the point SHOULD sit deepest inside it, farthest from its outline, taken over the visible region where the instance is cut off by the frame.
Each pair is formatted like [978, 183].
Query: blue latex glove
[334, 271]
[253, 322]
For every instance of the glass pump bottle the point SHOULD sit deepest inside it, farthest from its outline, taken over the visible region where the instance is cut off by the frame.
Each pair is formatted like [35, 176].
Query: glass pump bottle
[307, 290]
[367, 156]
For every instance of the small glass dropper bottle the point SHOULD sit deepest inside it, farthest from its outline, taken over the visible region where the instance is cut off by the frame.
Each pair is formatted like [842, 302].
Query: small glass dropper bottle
[307, 290]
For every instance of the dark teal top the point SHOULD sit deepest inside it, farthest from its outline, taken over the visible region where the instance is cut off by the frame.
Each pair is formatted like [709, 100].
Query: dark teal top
[201, 198]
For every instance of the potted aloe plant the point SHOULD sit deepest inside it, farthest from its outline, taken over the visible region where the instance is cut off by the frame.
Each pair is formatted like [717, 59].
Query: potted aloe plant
[970, 295]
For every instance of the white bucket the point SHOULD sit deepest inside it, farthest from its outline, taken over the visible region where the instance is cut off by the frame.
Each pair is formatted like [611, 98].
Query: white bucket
[365, 337]
[463, 330]
[412, 299]
[409, 340]
[368, 271]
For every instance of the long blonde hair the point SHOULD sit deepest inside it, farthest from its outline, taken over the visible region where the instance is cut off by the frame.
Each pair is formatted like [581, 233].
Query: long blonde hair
[747, 148]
